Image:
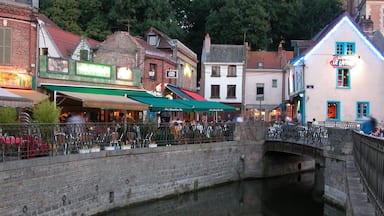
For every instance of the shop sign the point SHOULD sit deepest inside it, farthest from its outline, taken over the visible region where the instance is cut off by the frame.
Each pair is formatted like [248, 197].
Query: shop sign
[342, 62]
[93, 70]
[15, 77]
[58, 65]
[124, 73]
[171, 74]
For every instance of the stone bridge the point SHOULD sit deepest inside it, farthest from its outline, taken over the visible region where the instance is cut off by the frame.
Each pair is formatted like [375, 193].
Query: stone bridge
[353, 162]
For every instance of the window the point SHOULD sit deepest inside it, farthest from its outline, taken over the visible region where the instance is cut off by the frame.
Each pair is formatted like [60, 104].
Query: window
[260, 65]
[231, 70]
[215, 91]
[231, 91]
[345, 48]
[333, 110]
[152, 72]
[274, 83]
[362, 110]
[215, 71]
[84, 55]
[343, 78]
[260, 91]
[5, 45]
[153, 40]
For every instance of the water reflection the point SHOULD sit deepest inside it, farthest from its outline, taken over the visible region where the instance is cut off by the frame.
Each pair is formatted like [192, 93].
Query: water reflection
[297, 195]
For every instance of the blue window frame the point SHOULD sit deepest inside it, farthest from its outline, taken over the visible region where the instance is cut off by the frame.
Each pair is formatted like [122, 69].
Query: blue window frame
[362, 110]
[343, 78]
[345, 48]
[333, 110]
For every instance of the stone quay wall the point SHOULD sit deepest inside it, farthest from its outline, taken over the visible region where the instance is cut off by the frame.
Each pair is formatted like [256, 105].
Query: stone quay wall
[85, 184]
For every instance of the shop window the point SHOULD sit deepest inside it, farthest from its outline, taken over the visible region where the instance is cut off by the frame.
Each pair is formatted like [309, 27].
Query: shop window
[215, 91]
[5, 45]
[345, 48]
[231, 71]
[343, 78]
[333, 110]
[215, 71]
[362, 110]
[231, 91]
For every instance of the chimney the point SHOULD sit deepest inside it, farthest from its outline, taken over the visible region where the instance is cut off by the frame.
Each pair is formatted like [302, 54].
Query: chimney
[366, 25]
[207, 43]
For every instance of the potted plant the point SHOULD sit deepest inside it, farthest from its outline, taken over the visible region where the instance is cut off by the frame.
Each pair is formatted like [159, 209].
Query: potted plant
[125, 145]
[84, 150]
[95, 148]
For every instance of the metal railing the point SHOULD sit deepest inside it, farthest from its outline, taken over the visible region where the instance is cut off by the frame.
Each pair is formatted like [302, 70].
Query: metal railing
[368, 152]
[30, 140]
[314, 135]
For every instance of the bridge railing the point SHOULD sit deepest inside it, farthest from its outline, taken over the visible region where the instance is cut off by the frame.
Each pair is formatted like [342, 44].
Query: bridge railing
[315, 135]
[30, 140]
[368, 152]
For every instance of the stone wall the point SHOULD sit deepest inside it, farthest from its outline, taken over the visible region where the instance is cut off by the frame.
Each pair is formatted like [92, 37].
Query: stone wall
[84, 184]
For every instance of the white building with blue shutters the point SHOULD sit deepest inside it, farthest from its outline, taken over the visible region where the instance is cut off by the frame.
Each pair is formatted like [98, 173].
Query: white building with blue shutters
[339, 77]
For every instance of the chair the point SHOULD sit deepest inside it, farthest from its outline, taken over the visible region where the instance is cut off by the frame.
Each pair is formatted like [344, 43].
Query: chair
[131, 138]
[147, 139]
[60, 143]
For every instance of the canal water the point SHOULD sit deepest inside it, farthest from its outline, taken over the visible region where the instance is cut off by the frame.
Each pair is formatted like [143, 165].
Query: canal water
[296, 195]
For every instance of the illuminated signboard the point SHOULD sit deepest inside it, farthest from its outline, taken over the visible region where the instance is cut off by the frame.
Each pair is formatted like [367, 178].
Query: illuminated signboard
[171, 74]
[15, 77]
[124, 73]
[58, 65]
[94, 70]
[343, 62]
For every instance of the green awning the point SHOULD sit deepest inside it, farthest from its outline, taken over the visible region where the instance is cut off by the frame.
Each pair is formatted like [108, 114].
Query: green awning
[208, 106]
[163, 104]
[96, 90]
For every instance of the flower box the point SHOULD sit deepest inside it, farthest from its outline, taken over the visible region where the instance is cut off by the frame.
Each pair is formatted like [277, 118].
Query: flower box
[84, 151]
[125, 147]
[109, 148]
[152, 145]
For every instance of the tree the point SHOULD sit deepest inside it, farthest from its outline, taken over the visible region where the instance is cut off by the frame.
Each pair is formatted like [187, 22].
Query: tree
[240, 21]
[46, 112]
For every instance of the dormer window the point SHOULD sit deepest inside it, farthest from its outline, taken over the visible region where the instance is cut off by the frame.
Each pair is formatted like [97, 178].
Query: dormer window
[153, 40]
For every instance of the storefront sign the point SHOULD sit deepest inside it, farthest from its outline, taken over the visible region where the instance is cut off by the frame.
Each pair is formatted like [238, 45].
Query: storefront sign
[124, 73]
[58, 65]
[15, 77]
[94, 70]
[171, 74]
[342, 62]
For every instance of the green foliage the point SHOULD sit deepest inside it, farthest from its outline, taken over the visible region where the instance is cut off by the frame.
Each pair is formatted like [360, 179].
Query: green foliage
[46, 112]
[8, 115]
[261, 23]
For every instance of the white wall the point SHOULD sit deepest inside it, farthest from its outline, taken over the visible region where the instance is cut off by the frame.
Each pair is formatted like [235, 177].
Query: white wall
[223, 81]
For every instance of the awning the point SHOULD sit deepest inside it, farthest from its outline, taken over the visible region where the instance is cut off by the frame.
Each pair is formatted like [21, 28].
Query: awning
[193, 95]
[97, 90]
[177, 91]
[163, 104]
[208, 106]
[8, 99]
[102, 101]
[30, 94]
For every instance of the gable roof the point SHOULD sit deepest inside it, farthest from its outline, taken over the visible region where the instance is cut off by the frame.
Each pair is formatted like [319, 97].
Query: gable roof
[65, 41]
[152, 51]
[270, 60]
[226, 53]
[329, 29]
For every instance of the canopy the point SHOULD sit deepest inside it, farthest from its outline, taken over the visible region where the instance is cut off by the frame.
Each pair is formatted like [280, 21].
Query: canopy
[97, 90]
[193, 95]
[104, 101]
[30, 94]
[163, 104]
[9, 99]
[177, 91]
[208, 106]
